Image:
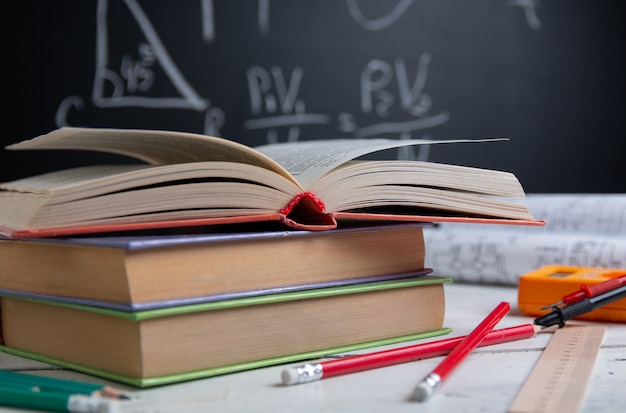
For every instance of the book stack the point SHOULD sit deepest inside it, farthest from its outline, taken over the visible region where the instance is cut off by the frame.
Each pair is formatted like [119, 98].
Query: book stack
[178, 269]
[155, 309]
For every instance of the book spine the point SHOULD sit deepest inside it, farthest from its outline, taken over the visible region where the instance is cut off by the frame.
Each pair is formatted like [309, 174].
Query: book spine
[307, 211]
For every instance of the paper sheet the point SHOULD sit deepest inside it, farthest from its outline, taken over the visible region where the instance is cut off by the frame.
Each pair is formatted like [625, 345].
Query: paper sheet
[581, 230]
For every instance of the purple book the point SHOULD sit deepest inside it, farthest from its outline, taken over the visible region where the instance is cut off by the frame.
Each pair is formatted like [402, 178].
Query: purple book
[142, 272]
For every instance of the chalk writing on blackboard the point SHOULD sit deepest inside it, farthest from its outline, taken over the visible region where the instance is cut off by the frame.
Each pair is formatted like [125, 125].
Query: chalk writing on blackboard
[128, 84]
[136, 73]
[264, 16]
[530, 11]
[275, 103]
[387, 87]
[67, 104]
[132, 76]
[381, 22]
[208, 20]
[207, 12]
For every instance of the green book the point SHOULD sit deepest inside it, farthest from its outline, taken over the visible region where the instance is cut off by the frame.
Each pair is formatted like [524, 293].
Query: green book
[168, 345]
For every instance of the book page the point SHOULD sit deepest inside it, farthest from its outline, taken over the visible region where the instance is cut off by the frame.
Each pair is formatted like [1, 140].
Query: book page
[155, 147]
[601, 213]
[502, 257]
[98, 180]
[304, 162]
[308, 161]
[581, 230]
[565, 213]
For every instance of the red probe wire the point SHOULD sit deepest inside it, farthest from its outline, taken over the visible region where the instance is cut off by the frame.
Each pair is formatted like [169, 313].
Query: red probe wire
[588, 291]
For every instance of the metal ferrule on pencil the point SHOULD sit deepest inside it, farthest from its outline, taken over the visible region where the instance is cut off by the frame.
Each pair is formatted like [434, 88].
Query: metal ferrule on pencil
[427, 387]
[433, 380]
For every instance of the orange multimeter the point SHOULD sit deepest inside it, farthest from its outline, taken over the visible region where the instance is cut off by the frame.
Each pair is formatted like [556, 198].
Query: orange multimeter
[550, 284]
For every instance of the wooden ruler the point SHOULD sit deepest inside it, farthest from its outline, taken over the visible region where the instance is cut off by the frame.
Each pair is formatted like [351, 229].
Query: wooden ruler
[558, 382]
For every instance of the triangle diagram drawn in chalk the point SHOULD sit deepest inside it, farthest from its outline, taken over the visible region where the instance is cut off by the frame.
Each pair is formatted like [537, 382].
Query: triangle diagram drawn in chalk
[124, 88]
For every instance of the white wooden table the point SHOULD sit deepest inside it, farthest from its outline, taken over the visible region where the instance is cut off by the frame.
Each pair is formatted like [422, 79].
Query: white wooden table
[487, 381]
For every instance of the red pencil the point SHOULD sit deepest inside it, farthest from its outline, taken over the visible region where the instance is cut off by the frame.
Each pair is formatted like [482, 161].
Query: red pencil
[428, 386]
[353, 364]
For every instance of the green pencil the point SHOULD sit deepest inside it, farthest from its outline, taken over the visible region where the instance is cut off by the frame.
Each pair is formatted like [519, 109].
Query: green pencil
[55, 402]
[59, 385]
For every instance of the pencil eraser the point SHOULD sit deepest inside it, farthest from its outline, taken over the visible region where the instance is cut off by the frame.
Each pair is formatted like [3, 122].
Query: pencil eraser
[423, 391]
[305, 373]
[290, 376]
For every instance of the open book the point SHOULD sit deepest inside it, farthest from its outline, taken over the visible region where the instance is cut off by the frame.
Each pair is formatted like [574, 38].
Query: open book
[190, 179]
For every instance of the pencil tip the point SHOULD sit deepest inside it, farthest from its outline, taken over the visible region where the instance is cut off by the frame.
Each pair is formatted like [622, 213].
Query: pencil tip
[112, 393]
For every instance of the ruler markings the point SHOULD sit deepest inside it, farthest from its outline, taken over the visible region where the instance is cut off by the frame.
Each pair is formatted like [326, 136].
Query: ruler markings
[558, 382]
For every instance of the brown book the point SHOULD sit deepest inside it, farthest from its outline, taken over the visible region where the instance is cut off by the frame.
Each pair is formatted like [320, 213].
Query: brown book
[192, 179]
[156, 347]
[142, 271]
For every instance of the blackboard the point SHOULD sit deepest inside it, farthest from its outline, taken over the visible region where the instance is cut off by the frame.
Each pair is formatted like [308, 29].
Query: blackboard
[547, 74]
